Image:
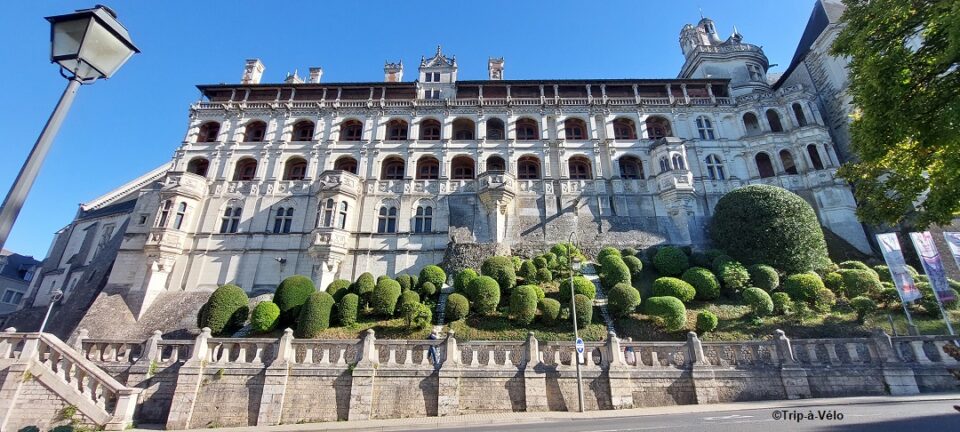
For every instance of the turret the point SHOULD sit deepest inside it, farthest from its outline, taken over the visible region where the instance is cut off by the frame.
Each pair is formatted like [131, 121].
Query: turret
[707, 56]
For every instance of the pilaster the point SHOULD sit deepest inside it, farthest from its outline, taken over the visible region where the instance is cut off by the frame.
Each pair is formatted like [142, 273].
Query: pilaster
[361, 388]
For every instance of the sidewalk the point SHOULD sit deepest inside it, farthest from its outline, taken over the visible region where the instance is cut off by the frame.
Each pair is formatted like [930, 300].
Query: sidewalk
[427, 423]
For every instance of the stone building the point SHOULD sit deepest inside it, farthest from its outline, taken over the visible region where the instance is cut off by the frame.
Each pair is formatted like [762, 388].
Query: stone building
[16, 272]
[335, 179]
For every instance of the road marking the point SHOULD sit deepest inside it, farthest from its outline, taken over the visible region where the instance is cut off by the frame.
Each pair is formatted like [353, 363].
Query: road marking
[729, 417]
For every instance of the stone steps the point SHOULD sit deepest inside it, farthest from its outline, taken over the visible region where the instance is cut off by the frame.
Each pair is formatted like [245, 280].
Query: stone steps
[590, 272]
[445, 291]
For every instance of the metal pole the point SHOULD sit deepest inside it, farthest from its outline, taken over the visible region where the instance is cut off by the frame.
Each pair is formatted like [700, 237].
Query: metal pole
[576, 333]
[31, 167]
[46, 317]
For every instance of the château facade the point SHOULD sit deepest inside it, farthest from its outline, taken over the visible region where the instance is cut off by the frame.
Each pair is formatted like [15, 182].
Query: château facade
[334, 179]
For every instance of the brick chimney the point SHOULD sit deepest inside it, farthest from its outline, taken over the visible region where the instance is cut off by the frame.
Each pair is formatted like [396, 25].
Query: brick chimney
[252, 72]
[495, 68]
[393, 72]
[315, 74]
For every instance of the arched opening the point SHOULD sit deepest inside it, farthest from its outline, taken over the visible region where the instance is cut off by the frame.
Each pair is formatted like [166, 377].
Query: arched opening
[351, 130]
[786, 158]
[295, 169]
[705, 128]
[198, 166]
[664, 164]
[774, 119]
[430, 130]
[495, 129]
[496, 163]
[528, 168]
[428, 168]
[764, 165]
[798, 113]
[346, 163]
[303, 130]
[231, 218]
[397, 130]
[715, 169]
[814, 157]
[423, 219]
[246, 169]
[209, 132]
[326, 210]
[658, 127]
[631, 167]
[392, 168]
[751, 123]
[462, 168]
[579, 167]
[574, 129]
[678, 162]
[464, 129]
[255, 131]
[624, 129]
[387, 219]
[527, 129]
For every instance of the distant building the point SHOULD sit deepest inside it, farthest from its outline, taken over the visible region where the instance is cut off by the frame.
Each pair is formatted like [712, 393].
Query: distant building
[16, 272]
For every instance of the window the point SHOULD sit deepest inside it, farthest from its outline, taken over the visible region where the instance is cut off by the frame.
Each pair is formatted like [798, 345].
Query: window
[814, 157]
[756, 74]
[351, 130]
[631, 167]
[12, 297]
[198, 166]
[428, 168]
[209, 132]
[526, 129]
[255, 131]
[431, 94]
[462, 167]
[495, 129]
[181, 213]
[574, 129]
[164, 213]
[423, 221]
[751, 124]
[496, 163]
[397, 130]
[303, 130]
[715, 168]
[528, 168]
[579, 168]
[798, 113]
[342, 220]
[231, 220]
[295, 169]
[705, 128]
[392, 169]
[624, 129]
[463, 129]
[664, 164]
[105, 234]
[283, 220]
[774, 119]
[786, 158]
[327, 209]
[678, 163]
[430, 130]
[246, 170]
[346, 163]
[658, 127]
[387, 220]
[431, 76]
[764, 166]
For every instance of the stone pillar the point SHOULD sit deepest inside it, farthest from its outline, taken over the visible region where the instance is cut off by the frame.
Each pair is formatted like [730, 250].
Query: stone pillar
[618, 374]
[796, 384]
[448, 391]
[188, 384]
[361, 388]
[897, 375]
[275, 382]
[534, 378]
[704, 381]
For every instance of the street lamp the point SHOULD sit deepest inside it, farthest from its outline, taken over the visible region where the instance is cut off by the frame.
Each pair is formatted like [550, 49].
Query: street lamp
[575, 268]
[55, 296]
[88, 44]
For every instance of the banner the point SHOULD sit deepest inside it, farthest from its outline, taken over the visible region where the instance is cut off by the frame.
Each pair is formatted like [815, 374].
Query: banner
[953, 241]
[893, 255]
[932, 266]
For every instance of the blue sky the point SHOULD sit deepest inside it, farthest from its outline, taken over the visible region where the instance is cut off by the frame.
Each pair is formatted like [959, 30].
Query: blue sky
[123, 127]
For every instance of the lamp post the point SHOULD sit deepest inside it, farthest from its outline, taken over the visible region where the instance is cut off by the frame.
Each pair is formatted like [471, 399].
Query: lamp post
[88, 44]
[575, 267]
[54, 298]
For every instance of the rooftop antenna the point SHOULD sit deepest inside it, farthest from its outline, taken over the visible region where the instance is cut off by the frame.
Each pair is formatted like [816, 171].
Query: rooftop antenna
[701, 12]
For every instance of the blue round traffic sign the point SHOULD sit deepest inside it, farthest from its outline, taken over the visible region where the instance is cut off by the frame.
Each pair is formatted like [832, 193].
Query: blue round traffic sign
[579, 346]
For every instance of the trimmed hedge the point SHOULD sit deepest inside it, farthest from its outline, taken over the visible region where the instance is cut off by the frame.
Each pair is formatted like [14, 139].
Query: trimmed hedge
[517, 262]
[433, 274]
[614, 271]
[734, 276]
[528, 271]
[673, 287]
[405, 281]
[581, 285]
[803, 287]
[384, 297]
[670, 309]
[347, 309]
[338, 288]
[834, 282]
[671, 261]
[706, 322]
[628, 252]
[485, 295]
[770, 225]
[290, 295]
[584, 307]
[544, 275]
[364, 287]
[859, 282]
[408, 299]
[264, 317]
[607, 251]
[419, 316]
[540, 262]
[883, 272]
[552, 261]
[500, 268]
[463, 279]
[764, 277]
[550, 310]
[634, 264]
[428, 289]
[315, 315]
[523, 304]
[623, 299]
[704, 283]
[458, 307]
[717, 263]
[382, 278]
[824, 301]
[226, 310]
[758, 300]
[863, 306]
[781, 302]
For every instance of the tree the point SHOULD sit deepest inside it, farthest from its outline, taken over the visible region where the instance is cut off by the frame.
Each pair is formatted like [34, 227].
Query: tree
[905, 83]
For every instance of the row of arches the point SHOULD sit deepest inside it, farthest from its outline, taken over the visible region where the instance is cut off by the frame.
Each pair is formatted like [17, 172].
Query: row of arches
[752, 124]
[765, 167]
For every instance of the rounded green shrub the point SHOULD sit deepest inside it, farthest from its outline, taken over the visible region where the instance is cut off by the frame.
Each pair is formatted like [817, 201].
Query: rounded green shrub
[928, 299]
[562, 249]
[485, 295]
[863, 306]
[414, 281]
[551, 260]
[628, 252]
[517, 262]
[315, 315]
[290, 295]
[523, 304]
[581, 285]
[706, 322]
[833, 281]
[457, 308]
[226, 310]
[435, 275]
[770, 225]
[405, 281]
[550, 310]
[544, 275]
[717, 263]
[858, 265]
[419, 316]
[347, 309]
[764, 277]
[669, 309]
[428, 289]
[607, 251]
[824, 301]
[338, 288]
[408, 299]
[883, 272]
[651, 252]
[859, 282]
[671, 261]
[540, 262]
[758, 300]
[528, 271]
[889, 296]
[703, 282]
[463, 279]
[364, 286]
[500, 268]
[584, 306]
[781, 302]
[264, 317]
[673, 287]
[803, 287]
[623, 299]
[734, 276]
[634, 264]
[384, 297]
[614, 271]
[382, 278]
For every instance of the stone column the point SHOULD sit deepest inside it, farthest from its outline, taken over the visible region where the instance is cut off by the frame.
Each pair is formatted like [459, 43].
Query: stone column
[796, 384]
[275, 382]
[701, 372]
[897, 375]
[448, 391]
[188, 384]
[618, 374]
[361, 388]
[534, 378]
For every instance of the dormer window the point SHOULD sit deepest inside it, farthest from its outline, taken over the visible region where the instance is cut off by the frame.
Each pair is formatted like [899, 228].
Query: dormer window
[431, 77]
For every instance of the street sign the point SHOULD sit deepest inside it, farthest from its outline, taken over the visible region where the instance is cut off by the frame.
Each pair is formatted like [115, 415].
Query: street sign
[579, 346]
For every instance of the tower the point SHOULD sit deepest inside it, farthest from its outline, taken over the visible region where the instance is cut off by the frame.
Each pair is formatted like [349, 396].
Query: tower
[707, 56]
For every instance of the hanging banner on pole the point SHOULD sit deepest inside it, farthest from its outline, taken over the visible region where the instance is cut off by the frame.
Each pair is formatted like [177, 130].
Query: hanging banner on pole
[893, 255]
[932, 266]
[953, 242]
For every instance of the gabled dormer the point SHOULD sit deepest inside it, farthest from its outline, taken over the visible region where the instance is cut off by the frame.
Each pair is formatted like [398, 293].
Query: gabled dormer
[438, 76]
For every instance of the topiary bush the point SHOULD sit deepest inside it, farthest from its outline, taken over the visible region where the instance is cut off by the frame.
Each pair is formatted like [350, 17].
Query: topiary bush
[781, 302]
[859, 282]
[734, 276]
[704, 283]
[706, 322]
[581, 285]
[824, 300]
[435, 275]
[863, 306]
[408, 299]
[552, 261]
[766, 224]
[669, 309]
[634, 264]
[428, 289]
[364, 286]
[383, 277]
[883, 272]
[584, 306]
[803, 287]
[406, 282]
[523, 304]
[517, 262]
[347, 309]
[315, 315]
[673, 287]
[834, 282]
[544, 275]
[614, 271]
[717, 263]
[607, 251]
[857, 265]
[628, 252]
[290, 295]
[764, 277]
[540, 262]
[528, 271]
[758, 300]
[500, 268]
[671, 261]
[457, 308]
[384, 297]
[338, 288]
[889, 296]
[226, 310]
[264, 317]
[550, 311]
[419, 316]
[485, 295]
[623, 299]
[463, 279]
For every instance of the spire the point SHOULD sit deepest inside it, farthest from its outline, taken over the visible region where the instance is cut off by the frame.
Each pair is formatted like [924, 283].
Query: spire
[701, 13]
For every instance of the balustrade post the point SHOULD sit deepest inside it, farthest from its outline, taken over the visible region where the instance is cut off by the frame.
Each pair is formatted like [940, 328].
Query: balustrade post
[448, 389]
[361, 387]
[701, 372]
[82, 335]
[696, 350]
[796, 383]
[285, 351]
[784, 348]
[6, 348]
[123, 411]
[898, 376]
[614, 357]
[151, 349]
[201, 346]
[886, 352]
[451, 354]
[532, 346]
[618, 374]
[275, 382]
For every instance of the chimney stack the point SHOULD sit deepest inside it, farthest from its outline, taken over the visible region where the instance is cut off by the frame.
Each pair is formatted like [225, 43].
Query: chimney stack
[495, 68]
[315, 74]
[393, 72]
[252, 72]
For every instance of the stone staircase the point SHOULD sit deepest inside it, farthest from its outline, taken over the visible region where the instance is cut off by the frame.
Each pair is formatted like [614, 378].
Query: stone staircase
[590, 272]
[445, 291]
